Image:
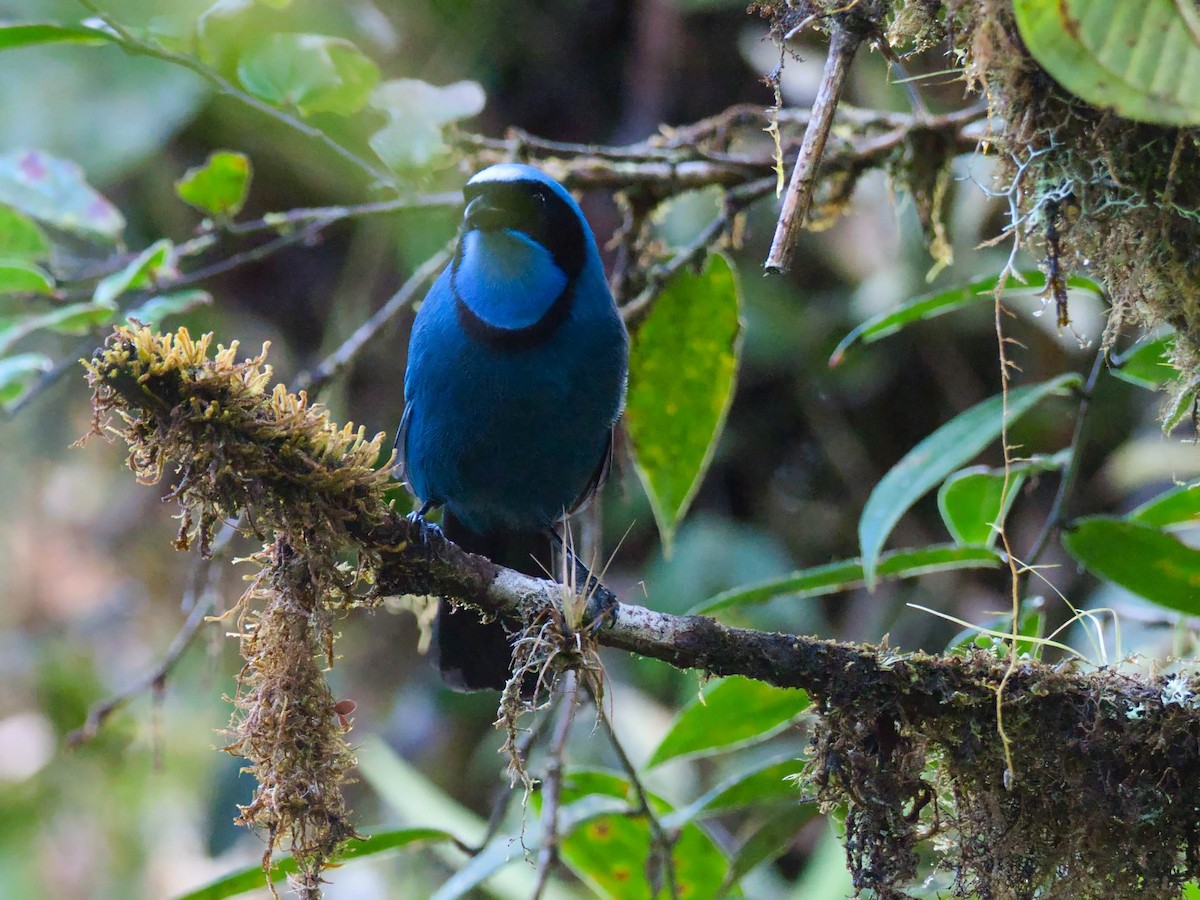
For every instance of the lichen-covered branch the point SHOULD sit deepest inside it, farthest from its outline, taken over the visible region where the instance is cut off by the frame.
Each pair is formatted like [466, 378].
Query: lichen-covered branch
[1107, 797]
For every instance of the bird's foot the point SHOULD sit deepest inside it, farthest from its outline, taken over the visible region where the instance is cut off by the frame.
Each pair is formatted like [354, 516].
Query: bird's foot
[425, 533]
[601, 605]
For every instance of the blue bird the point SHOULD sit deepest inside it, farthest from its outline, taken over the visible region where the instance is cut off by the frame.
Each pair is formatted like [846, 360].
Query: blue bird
[516, 375]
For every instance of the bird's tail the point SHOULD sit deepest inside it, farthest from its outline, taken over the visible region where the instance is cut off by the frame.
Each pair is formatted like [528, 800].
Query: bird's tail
[474, 655]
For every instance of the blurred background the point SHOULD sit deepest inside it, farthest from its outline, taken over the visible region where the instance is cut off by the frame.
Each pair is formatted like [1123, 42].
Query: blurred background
[90, 588]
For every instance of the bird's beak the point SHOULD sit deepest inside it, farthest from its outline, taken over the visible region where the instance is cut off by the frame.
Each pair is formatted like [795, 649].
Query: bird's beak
[481, 214]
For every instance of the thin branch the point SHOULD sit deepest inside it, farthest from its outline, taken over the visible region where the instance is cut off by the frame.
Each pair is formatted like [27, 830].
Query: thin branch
[327, 215]
[135, 45]
[332, 365]
[843, 44]
[552, 783]
[693, 254]
[200, 600]
[1055, 518]
[662, 842]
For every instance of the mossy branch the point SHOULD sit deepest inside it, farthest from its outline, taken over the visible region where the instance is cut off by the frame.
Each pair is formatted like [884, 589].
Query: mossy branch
[1106, 801]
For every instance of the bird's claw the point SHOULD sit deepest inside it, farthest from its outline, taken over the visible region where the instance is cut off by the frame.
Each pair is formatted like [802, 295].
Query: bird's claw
[601, 605]
[425, 533]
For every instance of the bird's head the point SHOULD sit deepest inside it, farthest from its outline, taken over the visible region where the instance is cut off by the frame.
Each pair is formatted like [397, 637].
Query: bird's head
[522, 199]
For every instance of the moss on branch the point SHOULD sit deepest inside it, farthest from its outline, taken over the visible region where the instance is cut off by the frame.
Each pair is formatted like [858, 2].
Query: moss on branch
[1106, 798]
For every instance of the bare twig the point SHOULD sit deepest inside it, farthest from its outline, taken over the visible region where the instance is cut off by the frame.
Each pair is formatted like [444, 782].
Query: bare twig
[135, 45]
[843, 44]
[315, 379]
[568, 702]
[327, 215]
[661, 863]
[1055, 516]
[693, 254]
[199, 601]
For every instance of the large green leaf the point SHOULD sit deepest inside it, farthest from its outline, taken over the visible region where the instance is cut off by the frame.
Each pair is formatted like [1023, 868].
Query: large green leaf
[930, 306]
[610, 852]
[734, 712]
[763, 782]
[847, 574]
[312, 73]
[1147, 363]
[1141, 59]
[54, 191]
[21, 238]
[251, 878]
[1140, 558]
[219, 186]
[770, 839]
[682, 364]
[16, 373]
[928, 463]
[973, 501]
[146, 268]
[27, 34]
[417, 112]
[19, 277]
[154, 310]
[1178, 506]
[75, 318]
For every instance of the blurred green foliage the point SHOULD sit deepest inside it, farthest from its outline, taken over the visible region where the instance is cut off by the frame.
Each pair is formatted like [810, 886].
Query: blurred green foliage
[777, 478]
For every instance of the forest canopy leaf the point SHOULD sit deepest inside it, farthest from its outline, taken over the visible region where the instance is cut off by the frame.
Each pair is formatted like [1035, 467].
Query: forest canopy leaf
[218, 187]
[734, 712]
[28, 34]
[847, 574]
[927, 464]
[16, 372]
[1140, 558]
[1178, 506]
[312, 73]
[20, 277]
[251, 877]
[21, 238]
[938, 303]
[1141, 59]
[972, 501]
[682, 363]
[1147, 363]
[417, 112]
[54, 191]
[141, 271]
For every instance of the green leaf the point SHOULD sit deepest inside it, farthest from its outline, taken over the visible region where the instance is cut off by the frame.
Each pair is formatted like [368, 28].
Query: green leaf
[733, 713]
[21, 238]
[312, 73]
[1147, 363]
[762, 782]
[930, 306]
[682, 364]
[54, 191]
[928, 463]
[770, 839]
[847, 574]
[1140, 59]
[1178, 506]
[154, 310]
[972, 502]
[146, 268]
[251, 878]
[610, 852]
[18, 277]
[1183, 404]
[1140, 558]
[219, 186]
[75, 318]
[16, 373]
[28, 34]
[417, 112]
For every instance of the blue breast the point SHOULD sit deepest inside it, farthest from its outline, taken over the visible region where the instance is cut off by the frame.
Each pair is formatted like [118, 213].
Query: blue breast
[509, 438]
